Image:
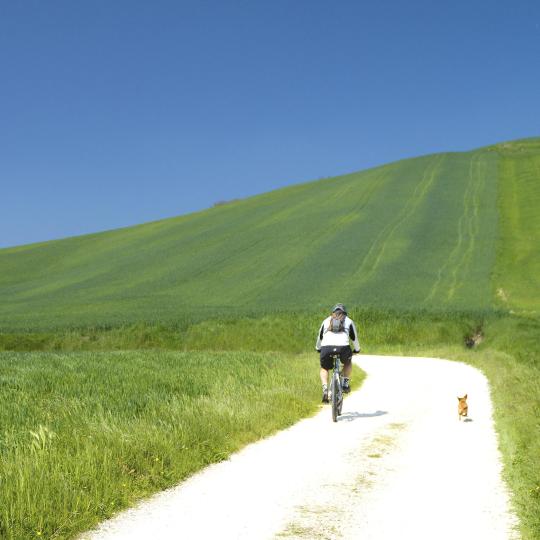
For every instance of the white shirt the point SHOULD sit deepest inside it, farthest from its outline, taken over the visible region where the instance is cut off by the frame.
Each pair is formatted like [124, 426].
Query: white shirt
[326, 338]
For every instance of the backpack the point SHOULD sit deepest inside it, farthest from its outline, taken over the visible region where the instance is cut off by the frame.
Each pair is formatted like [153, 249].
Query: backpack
[337, 323]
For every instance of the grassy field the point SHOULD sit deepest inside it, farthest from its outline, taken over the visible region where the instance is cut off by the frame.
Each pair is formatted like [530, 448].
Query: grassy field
[86, 434]
[113, 393]
[443, 232]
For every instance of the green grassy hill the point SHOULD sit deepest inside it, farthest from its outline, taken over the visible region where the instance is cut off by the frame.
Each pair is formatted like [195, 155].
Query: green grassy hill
[453, 231]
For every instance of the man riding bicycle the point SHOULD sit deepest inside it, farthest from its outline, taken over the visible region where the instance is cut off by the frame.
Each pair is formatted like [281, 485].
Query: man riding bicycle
[333, 338]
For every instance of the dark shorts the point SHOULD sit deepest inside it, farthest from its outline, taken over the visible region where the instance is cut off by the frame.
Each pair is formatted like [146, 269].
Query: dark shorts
[345, 355]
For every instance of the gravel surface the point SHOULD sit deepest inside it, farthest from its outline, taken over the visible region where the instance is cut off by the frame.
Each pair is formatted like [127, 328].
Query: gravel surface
[397, 465]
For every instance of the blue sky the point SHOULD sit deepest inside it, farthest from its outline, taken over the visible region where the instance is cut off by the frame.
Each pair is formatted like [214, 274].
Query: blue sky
[117, 113]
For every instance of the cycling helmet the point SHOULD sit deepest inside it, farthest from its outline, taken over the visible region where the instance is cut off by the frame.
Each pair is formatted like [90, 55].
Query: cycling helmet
[339, 307]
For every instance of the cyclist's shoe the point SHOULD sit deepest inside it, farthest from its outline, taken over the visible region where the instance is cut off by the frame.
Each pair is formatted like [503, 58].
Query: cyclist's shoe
[346, 387]
[325, 395]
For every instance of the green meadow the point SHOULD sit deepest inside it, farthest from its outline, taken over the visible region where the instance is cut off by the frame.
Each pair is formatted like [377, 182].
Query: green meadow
[86, 434]
[132, 358]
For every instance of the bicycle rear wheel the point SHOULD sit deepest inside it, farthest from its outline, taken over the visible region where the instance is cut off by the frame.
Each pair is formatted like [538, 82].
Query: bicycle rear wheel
[335, 399]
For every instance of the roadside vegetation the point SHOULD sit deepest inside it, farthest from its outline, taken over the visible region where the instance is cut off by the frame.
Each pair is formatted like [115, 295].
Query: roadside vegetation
[87, 434]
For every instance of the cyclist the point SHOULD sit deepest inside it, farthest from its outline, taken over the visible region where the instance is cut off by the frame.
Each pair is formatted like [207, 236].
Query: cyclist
[333, 338]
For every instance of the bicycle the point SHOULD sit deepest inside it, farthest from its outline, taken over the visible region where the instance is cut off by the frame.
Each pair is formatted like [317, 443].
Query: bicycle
[336, 388]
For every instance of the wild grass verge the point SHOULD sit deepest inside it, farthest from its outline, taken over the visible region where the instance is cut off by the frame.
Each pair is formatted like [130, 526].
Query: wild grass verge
[86, 434]
[275, 331]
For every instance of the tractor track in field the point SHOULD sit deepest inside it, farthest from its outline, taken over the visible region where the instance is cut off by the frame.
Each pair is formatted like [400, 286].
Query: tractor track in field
[376, 251]
[472, 225]
[467, 231]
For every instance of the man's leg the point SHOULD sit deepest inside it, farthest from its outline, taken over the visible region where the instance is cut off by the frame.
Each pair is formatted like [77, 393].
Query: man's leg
[324, 382]
[347, 370]
[324, 377]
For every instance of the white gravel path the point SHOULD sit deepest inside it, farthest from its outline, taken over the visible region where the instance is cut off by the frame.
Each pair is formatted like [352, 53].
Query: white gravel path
[397, 465]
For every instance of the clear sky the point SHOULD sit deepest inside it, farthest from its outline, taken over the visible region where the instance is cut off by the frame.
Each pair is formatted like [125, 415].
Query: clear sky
[114, 113]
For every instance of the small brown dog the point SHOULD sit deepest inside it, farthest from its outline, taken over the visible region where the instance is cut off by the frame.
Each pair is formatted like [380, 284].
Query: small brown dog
[462, 407]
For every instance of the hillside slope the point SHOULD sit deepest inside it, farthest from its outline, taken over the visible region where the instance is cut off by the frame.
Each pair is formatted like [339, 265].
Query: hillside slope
[445, 231]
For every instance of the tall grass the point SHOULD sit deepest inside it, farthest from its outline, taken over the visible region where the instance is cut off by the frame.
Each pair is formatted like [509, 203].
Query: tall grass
[86, 434]
[290, 332]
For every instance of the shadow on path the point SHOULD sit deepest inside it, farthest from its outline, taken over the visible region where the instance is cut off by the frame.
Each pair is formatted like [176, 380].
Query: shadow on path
[350, 416]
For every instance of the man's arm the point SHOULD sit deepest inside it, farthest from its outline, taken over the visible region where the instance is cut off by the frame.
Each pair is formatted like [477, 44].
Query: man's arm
[319, 337]
[353, 335]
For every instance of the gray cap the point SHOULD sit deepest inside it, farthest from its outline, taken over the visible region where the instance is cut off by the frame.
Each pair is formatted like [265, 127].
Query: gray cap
[339, 307]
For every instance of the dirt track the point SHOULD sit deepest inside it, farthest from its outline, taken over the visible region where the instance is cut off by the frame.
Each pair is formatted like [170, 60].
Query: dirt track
[397, 465]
